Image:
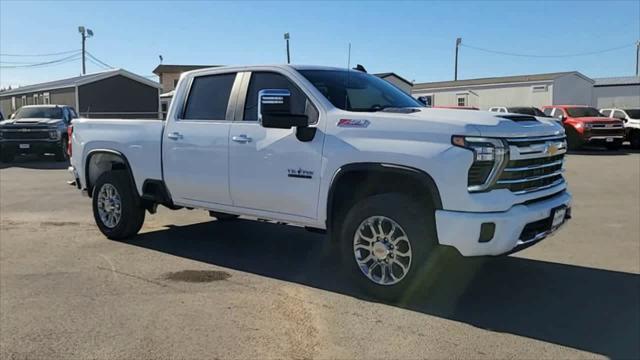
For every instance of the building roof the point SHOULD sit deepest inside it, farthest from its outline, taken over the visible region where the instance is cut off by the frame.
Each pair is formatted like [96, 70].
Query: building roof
[386, 74]
[164, 68]
[617, 81]
[79, 80]
[497, 80]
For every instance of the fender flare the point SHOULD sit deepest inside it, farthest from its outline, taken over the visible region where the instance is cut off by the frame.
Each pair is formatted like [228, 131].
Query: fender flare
[417, 174]
[93, 152]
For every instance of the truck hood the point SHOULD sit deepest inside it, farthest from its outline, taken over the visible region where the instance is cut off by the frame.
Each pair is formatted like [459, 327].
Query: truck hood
[489, 124]
[30, 121]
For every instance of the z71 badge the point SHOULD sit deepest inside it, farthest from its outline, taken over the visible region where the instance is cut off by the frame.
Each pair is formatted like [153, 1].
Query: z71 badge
[300, 173]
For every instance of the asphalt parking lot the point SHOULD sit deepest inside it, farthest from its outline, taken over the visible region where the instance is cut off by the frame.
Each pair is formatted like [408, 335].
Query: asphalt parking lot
[192, 287]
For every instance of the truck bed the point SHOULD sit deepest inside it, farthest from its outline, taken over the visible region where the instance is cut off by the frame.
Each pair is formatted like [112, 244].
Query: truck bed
[138, 140]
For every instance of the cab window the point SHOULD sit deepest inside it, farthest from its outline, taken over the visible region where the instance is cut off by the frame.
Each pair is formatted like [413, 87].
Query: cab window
[209, 97]
[300, 104]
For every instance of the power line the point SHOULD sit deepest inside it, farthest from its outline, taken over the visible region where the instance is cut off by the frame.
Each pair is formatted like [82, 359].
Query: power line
[44, 64]
[98, 60]
[50, 54]
[545, 55]
[97, 64]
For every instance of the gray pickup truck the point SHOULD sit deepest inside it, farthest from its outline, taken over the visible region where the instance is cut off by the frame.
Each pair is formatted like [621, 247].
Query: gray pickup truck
[36, 129]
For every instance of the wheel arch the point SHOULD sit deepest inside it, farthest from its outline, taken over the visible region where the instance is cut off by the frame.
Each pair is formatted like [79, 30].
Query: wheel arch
[99, 161]
[391, 177]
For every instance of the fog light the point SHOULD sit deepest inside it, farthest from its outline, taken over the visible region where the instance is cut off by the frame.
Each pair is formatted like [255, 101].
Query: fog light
[487, 230]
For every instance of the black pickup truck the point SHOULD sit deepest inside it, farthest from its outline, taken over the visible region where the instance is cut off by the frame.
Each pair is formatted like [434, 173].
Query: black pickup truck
[36, 129]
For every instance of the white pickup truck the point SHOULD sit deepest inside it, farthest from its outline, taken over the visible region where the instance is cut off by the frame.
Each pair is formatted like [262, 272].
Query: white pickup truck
[332, 150]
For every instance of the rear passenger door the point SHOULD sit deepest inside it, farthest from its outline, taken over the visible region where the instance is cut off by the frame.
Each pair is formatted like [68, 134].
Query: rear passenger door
[196, 142]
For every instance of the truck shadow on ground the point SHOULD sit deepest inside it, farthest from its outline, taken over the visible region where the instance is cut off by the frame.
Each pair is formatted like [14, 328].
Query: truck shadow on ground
[583, 308]
[45, 162]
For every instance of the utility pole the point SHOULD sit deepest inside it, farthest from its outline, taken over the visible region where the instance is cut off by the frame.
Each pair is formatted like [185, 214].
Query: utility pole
[286, 38]
[637, 57]
[458, 42]
[85, 33]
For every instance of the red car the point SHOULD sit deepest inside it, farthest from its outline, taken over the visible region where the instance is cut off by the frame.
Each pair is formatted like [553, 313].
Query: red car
[584, 124]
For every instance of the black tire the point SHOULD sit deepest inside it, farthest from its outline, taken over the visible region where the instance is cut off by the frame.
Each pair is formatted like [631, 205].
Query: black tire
[61, 153]
[574, 142]
[634, 139]
[614, 146]
[7, 155]
[220, 216]
[132, 212]
[415, 219]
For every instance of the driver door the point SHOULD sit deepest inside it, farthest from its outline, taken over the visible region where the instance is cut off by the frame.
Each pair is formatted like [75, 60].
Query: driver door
[271, 169]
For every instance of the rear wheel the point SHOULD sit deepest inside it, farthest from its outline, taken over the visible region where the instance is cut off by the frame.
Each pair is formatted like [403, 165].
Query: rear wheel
[386, 243]
[116, 207]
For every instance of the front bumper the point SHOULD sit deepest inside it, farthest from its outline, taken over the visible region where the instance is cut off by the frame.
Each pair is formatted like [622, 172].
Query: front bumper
[32, 146]
[462, 229]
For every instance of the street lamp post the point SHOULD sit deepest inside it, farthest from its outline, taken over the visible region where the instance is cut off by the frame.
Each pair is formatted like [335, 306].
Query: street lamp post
[286, 38]
[455, 75]
[85, 33]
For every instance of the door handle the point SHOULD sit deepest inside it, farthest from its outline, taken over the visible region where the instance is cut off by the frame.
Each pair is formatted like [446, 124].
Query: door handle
[174, 136]
[242, 139]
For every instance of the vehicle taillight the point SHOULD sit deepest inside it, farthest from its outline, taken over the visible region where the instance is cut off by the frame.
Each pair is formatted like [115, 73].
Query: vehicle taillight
[69, 135]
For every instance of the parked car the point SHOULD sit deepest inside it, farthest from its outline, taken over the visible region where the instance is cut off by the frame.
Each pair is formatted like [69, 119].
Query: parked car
[586, 125]
[631, 120]
[36, 129]
[524, 110]
[388, 179]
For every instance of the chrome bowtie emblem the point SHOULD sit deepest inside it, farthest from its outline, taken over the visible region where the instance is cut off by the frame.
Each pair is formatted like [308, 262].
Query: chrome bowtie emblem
[550, 148]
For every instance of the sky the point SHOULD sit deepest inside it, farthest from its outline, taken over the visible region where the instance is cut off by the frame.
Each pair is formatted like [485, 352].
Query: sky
[413, 39]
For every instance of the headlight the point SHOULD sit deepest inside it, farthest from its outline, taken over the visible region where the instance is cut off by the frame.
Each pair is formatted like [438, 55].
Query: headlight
[587, 126]
[489, 156]
[54, 134]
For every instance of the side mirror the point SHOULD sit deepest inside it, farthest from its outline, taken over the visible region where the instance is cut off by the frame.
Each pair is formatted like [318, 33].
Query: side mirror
[274, 110]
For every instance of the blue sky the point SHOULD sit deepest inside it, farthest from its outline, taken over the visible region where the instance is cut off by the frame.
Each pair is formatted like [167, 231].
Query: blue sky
[413, 39]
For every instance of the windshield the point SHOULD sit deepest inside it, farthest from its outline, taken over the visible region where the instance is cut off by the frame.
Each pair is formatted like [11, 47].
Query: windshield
[356, 91]
[526, 111]
[39, 112]
[633, 113]
[583, 112]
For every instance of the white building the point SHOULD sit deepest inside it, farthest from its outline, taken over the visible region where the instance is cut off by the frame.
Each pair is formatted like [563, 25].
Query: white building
[617, 92]
[523, 90]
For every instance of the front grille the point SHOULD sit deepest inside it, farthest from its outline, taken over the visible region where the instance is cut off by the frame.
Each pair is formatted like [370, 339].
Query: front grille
[534, 164]
[602, 131]
[25, 135]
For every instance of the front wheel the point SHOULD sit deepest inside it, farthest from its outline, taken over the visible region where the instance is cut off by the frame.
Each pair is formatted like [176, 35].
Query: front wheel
[615, 145]
[116, 208]
[634, 139]
[386, 242]
[574, 142]
[61, 152]
[7, 155]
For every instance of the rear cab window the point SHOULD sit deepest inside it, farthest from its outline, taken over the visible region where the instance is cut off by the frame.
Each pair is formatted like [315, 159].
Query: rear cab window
[208, 97]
